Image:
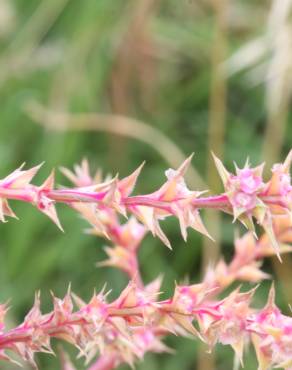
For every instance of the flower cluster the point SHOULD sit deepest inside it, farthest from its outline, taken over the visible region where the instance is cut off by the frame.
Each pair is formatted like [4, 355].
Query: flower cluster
[246, 196]
[108, 333]
[250, 197]
[125, 329]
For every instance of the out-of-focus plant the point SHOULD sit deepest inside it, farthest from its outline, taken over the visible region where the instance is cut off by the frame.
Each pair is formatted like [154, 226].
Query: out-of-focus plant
[268, 59]
[7, 18]
[124, 329]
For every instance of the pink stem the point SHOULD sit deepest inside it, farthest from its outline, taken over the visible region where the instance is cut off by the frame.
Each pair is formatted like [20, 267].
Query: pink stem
[29, 194]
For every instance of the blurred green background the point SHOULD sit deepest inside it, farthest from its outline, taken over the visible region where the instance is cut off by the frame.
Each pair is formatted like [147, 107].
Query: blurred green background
[206, 75]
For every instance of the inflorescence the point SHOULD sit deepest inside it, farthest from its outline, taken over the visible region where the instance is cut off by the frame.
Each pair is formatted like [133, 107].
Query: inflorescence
[108, 333]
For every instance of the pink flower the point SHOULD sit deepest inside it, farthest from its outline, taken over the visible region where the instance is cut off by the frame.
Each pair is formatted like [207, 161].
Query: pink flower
[242, 189]
[249, 181]
[275, 332]
[243, 200]
[280, 183]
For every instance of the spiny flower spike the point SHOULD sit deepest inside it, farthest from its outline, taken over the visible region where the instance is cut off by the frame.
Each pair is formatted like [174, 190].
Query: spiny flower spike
[175, 199]
[244, 266]
[248, 257]
[242, 188]
[281, 180]
[17, 180]
[250, 197]
[135, 323]
[140, 309]
[123, 330]
[126, 238]
[272, 336]
[18, 183]
[246, 197]
[81, 176]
